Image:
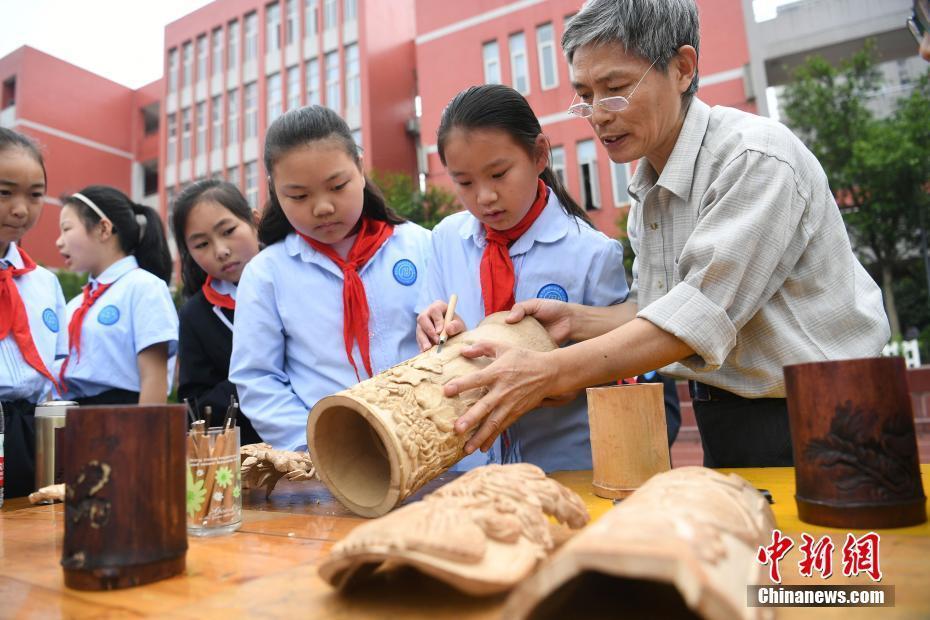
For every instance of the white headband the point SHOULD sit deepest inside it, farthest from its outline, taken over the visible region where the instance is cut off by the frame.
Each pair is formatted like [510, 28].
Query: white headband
[140, 219]
[91, 204]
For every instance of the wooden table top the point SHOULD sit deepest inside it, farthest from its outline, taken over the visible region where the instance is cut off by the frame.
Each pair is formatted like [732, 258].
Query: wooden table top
[268, 568]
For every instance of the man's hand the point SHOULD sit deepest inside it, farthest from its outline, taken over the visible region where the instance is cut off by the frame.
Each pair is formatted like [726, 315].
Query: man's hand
[517, 380]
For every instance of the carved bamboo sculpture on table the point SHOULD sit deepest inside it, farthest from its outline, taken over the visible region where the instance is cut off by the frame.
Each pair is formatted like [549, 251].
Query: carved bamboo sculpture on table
[379, 441]
[262, 466]
[683, 544]
[481, 533]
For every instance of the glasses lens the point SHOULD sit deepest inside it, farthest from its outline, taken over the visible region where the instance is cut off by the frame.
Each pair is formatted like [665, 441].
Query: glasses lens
[581, 109]
[614, 104]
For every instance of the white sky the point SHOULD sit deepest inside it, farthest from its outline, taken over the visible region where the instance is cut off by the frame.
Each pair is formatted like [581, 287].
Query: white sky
[121, 40]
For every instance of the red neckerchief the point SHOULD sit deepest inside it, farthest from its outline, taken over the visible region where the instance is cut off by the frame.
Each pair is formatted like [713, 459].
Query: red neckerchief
[371, 236]
[497, 275]
[13, 317]
[215, 297]
[77, 321]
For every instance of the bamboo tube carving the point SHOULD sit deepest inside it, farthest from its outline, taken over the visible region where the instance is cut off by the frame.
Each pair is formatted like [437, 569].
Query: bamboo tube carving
[379, 441]
[481, 533]
[683, 544]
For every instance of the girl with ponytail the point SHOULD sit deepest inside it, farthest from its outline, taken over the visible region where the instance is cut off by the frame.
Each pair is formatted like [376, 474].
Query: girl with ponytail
[123, 328]
[521, 236]
[330, 300]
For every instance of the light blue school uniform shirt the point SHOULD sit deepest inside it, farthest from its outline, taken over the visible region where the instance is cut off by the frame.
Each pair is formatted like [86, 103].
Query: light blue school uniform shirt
[288, 346]
[134, 313]
[558, 257]
[45, 308]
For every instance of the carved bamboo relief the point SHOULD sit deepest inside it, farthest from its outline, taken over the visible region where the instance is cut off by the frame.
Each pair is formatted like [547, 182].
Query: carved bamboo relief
[379, 441]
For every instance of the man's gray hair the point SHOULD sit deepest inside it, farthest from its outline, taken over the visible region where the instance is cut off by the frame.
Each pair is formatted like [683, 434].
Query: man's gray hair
[649, 29]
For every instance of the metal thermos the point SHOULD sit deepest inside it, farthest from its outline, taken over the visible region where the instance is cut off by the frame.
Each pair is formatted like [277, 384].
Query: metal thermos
[50, 415]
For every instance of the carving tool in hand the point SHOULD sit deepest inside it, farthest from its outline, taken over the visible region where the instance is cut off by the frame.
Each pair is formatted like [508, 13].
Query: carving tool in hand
[450, 314]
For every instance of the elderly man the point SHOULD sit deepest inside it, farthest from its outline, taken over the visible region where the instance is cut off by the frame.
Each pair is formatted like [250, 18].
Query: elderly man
[742, 265]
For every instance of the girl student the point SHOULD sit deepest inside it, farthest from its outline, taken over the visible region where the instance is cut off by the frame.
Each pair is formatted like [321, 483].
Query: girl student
[123, 328]
[521, 236]
[32, 310]
[330, 300]
[217, 236]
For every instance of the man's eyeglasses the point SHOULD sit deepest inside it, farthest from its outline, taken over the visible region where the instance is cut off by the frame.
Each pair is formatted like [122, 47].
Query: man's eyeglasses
[916, 25]
[611, 104]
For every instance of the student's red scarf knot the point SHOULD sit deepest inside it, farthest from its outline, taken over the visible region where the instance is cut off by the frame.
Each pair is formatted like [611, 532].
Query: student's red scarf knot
[15, 321]
[497, 275]
[371, 236]
[77, 321]
[215, 297]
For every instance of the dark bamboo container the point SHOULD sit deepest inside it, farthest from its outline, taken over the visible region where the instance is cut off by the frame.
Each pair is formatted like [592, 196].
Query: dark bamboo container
[124, 468]
[855, 450]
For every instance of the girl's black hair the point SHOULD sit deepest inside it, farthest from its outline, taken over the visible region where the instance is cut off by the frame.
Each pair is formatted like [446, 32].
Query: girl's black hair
[11, 139]
[220, 192]
[299, 127]
[495, 106]
[144, 241]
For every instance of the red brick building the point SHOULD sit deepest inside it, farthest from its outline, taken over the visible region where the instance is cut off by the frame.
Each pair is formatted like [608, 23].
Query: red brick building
[232, 67]
[91, 130]
[517, 43]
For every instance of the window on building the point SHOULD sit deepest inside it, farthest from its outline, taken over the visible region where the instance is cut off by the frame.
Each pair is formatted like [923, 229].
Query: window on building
[492, 63]
[350, 10]
[150, 118]
[232, 116]
[216, 58]
[251, 184]
[313, 82]
[150, 178]
[518, 66]
[333, 101]
[293, 88]
[216, 122]
[202, 57]
[251, 36]
[311, 17]
[251, 110]
[545, 47]
[273, 86]
[558, 163]
[232, 175]
[187, 58]
[201, 127]
[353, 77]
[620, 179]
[290, 24]
[185, 133]
[173, 71]
[272, 27]
[172, 138]
[329, 13]
[587, 175]
[232, 45]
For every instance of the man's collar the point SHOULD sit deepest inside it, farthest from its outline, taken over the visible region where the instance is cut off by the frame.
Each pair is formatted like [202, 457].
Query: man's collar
[678, 174]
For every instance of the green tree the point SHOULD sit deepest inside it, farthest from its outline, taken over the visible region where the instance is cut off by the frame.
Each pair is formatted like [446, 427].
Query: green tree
[425, 208]
[71, 282]
[878, 168]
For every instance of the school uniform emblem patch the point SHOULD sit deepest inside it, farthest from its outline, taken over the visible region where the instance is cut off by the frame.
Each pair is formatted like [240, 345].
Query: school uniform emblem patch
[405, 272]
[552, 291]
[50, 319]
[108, 316]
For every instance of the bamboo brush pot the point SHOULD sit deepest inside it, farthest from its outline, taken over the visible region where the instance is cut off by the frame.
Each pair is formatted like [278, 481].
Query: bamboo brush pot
[378, 442]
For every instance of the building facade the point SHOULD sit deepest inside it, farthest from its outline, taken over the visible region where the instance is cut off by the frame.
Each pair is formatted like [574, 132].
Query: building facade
[91, 131]
[232, 67]
[518, 43]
